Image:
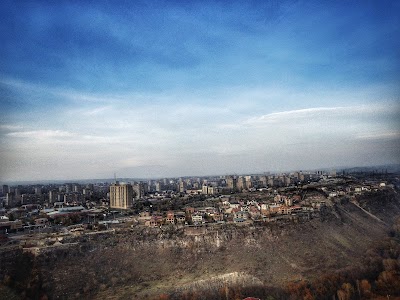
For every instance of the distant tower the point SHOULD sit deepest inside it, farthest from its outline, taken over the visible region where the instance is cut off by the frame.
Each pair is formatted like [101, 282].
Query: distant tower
[159, 186]
[231, 183]
[38, 190]
[10, 199]
[68, 187]
[139, 189]
[182, 186]
[53, 196]
[5, 189]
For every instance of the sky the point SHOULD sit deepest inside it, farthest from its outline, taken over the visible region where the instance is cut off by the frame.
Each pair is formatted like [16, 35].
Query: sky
[179, 88]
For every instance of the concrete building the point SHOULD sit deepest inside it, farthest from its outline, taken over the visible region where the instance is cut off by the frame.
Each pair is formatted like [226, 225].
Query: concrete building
[263, 181]
[197, 218]
[209, 189]
[159, 186]
[204, 189]
[68, 187]
[139, 189]
[121, 196]
[17, 194]
[10, 199]
[302, 177]
[170, 219]
[241, 183]
[60, 197]
[77, 188]
[231, 183]
[5, 189]
[249, 183]
[288, 201]
[38, 190]
[53, 196]
[182, 186]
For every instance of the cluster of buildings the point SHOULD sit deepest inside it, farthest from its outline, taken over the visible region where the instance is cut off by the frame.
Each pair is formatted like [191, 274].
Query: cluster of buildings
[278, 201]
[77, 194]
[122, 194]
[39, 194]
[237, 199]
[232, 209]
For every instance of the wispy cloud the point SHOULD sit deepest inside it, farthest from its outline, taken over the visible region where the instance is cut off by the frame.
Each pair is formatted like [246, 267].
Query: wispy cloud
[40, 134]
[10, 127]
[380, 136]
[204, 86]
[294, 114]
[64, 93]
[318, 112]
[97, 110]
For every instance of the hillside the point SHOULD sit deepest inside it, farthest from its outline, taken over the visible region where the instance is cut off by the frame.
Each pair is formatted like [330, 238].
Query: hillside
[145, 263]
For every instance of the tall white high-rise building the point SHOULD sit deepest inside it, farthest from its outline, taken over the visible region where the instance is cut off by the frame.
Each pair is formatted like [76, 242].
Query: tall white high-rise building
[121, 196]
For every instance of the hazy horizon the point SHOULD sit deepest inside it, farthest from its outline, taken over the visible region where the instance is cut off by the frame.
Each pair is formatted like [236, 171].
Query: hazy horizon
[168, 89]
[338, 169]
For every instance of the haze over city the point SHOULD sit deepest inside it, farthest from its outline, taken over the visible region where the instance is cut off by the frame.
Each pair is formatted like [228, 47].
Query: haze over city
[152, 89]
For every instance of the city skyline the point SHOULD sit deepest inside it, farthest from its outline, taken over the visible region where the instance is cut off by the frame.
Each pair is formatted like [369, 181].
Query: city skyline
[167, 89]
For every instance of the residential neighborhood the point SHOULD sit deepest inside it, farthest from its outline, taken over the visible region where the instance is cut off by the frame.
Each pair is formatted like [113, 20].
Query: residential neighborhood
[181, 202]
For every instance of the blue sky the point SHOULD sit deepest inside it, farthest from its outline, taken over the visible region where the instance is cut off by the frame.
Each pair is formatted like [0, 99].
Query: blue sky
[153, 88]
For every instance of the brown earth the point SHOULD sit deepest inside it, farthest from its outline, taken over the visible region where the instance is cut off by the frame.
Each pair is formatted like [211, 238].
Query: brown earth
[144, 263]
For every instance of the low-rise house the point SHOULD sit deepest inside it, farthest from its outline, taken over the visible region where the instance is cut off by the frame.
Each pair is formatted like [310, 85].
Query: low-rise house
[296, 198]
[253, 203]
[155, 221]
[234, 204]
[217, 217]
[41, 221]
[225, 203]
[189, 210]
[245, 208]
[279, 198]
[317, 204]
[254, 211]
[241, 215]
[193, 192]
[180, 217]
[288, 201]
[144, 214]
[264, 209]
[10, 226]
[170, 219]
[296, 209]
[235, 210]
[197, 218]
[4, 219]
[284, 210]
[144, 217]
[274, 208]
[210, 210]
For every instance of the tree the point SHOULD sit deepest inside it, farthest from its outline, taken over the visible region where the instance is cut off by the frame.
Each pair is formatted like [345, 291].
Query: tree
[346, 292]
[365, 288]
[308, 295]
[389, 282]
